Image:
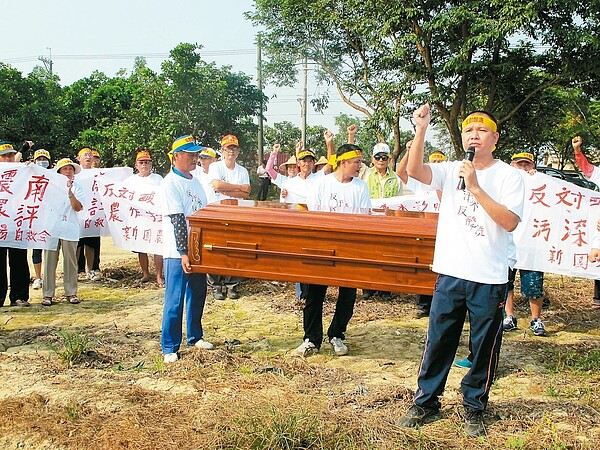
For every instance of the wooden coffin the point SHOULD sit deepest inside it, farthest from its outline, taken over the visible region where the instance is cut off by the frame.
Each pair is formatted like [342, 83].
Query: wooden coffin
[390, 251]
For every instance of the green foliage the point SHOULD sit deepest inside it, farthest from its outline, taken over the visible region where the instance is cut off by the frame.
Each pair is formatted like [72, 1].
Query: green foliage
[120, 115]
[384, 58]
[287, 134]
[315, 140]
[284, 133]
[72, 410]
[72, 348]
[575, 362]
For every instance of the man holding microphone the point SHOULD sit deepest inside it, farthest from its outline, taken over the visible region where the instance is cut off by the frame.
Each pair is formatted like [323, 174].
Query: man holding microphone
[471, 258]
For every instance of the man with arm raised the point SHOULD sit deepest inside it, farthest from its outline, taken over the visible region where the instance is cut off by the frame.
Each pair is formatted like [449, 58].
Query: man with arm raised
[471, 258]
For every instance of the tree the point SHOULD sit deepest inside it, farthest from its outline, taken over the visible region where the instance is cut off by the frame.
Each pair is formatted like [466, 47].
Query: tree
[315, 140]
[497, 55]
[190, 96]
[32, 110]
[284, 133]
[353, 57]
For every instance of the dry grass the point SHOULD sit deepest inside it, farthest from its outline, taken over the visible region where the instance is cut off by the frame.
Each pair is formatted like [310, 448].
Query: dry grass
[250, 394]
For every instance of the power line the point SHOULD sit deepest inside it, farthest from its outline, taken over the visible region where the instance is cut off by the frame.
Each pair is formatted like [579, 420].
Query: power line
[161, 55]
[213, 53]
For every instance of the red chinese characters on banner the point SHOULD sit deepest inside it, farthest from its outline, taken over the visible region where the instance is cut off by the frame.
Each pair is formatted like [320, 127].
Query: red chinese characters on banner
[113, 215]
[577, 231]
[22, 193]
[564, 198]
[542, 228]
[6, 179]
[538, 196]
[26, 213]
[37, 188]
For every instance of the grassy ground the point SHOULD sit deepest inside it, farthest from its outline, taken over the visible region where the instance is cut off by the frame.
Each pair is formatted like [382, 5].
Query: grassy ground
[91, 375]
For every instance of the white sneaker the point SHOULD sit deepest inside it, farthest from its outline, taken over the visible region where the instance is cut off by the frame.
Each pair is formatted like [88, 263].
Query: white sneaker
[305, 349]
[339, 347]
[204, 344]
[94, 275]
[170, 357]
[37, 283]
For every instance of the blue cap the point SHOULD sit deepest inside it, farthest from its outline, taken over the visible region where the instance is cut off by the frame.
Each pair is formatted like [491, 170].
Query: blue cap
[186, 144]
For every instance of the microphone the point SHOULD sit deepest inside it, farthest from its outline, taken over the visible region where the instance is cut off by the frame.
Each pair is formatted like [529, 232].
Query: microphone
[469, 156]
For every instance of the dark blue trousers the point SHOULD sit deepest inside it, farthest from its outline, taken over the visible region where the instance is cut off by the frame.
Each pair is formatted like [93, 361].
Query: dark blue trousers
[313, 313]
[452, 298]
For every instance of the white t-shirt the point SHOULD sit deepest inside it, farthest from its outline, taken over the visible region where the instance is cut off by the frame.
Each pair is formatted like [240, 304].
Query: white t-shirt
[69, 218]
[180, 196]
[297, 187]
[219, 171]
[469, 244]
[329, 194]
[136, 182]
[416, 187]
[202, 176]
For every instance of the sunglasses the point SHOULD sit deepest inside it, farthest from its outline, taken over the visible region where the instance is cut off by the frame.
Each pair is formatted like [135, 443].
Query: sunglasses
[381, 157]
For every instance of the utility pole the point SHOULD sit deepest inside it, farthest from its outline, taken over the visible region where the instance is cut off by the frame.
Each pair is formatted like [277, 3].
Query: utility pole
[303, 103]
[260, 89]
[47, 61]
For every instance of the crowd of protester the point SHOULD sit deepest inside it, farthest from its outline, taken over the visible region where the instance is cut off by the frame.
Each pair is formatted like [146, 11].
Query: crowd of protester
[478, 280]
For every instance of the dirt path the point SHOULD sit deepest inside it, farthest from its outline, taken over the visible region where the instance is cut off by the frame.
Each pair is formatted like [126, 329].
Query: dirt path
[248, 393]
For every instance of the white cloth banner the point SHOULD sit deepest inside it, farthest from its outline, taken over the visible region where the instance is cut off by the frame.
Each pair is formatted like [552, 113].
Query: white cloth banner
[424, 202]
[558, 223]
[32, 207]
[554, 236]
[133, 215]
[93, 218]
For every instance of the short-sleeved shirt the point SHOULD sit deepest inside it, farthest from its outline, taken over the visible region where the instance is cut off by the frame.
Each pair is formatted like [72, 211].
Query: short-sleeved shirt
[219, 171]
[469, 244]
[136, 181]
[70, 221]
[329, 194]
[297, 187]
[180, 195]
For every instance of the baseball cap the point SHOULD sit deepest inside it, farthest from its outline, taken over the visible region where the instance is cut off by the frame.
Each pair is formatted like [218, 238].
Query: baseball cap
[522, 156]
[6, 148]
[66, 162]
[143, 155]
[305, 154]
[381, 147]
[41, 152]
[186, 144]
[228, 140]
[208, 153]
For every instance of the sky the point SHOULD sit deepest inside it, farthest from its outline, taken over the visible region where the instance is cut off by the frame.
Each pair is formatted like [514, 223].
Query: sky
[81, 36]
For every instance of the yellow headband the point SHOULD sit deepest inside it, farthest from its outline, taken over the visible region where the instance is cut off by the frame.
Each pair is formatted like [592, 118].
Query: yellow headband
[435, 156]
[334, 160]
[481, 119]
